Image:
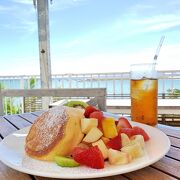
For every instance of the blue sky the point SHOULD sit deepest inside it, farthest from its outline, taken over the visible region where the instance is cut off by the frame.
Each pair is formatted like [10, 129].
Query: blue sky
[90, 35]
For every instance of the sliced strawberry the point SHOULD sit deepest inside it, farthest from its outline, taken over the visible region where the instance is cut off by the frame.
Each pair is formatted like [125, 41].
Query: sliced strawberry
[91, 157]
[89, 110]
[114, 143]
[123, 123]
[127, 131]
[137, 130]
[99, 116]
[77, 150]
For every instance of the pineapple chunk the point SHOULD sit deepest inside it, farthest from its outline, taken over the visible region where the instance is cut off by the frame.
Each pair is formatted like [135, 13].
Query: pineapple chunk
[87, 124]
[139, 139]
[93, 135]
[134, 149]
[109, 127]
[117, 157]
[125, 140]
[102, 147]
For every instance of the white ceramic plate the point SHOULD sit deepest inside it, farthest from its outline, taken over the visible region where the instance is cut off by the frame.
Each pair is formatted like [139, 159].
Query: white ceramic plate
[13, 155]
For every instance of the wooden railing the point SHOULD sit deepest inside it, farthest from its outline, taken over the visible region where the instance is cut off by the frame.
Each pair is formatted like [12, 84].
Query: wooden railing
[98, 94]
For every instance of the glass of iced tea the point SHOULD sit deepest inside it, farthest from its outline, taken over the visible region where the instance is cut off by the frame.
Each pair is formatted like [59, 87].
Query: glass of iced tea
[144, 89]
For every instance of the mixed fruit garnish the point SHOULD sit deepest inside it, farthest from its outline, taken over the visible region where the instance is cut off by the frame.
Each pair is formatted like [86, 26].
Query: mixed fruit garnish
[105, 139]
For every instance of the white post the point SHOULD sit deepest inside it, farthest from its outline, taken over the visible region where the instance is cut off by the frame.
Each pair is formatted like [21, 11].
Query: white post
[114, 84]
[44, 48]
[84, 79]
[1, 104]
[70, 80]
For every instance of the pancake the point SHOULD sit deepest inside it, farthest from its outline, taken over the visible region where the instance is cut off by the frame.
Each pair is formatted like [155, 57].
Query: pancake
[56, 132]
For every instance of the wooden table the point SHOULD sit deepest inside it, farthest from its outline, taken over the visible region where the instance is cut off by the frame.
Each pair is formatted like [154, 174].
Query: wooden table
[166, 168]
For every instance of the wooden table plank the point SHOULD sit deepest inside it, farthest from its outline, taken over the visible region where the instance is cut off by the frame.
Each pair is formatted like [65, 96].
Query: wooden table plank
[171, 131]
[118, 177]
[169, 165]
[174, 141]
[38, 113]
[7, 173]
[17, 121]
[6, 128]
[174, 153]
[29, 117]
[148, 173]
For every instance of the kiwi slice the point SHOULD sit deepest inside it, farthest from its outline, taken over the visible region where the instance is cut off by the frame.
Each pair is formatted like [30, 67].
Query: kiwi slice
[76, 104]
[65, 161]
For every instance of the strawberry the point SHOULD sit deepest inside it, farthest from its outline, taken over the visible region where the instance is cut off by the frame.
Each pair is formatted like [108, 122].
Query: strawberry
[127, 131]
[89, 110]
[99, 116]
[77, 150]
[114, 143]
[123, 123]
[137, 130]
[91, 157]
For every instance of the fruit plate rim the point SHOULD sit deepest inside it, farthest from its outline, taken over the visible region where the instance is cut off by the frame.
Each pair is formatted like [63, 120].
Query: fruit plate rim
[13, 155]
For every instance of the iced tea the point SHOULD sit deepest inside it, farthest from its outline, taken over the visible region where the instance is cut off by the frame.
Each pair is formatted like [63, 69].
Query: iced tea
[144, 100]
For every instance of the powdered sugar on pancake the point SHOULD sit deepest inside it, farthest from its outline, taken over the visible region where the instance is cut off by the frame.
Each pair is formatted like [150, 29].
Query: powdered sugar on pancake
[47, 128]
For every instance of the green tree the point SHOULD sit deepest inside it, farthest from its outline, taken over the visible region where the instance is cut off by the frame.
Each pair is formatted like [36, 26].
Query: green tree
[174, 93]
[32, 82]
[9, 104]
[2, 86]
[11, 108]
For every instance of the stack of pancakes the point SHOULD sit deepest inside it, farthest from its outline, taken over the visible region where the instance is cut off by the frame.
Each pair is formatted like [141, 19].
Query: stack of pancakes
[55, 132]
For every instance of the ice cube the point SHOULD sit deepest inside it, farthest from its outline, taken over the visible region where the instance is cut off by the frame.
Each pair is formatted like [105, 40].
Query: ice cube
[147, 85]
[135, 94]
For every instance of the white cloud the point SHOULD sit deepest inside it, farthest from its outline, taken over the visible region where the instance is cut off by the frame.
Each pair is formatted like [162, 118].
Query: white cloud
[168, 60]
[162, 26]
[139, 7]
[148, 16]
[174, 3]
[20, 20]
[66, 4]
[157, 23]
[4, 8]
[29, 26]
[20, 66]
[70, 44]
[157, 19]
[169, 57]
[23, 1]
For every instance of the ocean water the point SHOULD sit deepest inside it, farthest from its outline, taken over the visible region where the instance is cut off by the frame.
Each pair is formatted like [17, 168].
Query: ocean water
[114, 87]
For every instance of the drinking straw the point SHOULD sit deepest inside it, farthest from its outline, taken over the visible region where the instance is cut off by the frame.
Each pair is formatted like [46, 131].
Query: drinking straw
[158, 48]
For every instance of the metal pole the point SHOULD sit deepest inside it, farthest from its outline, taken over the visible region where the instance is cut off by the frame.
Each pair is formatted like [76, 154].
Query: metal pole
[44, 43]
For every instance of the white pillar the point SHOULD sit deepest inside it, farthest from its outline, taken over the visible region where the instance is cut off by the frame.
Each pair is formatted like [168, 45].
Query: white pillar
[44, 47]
